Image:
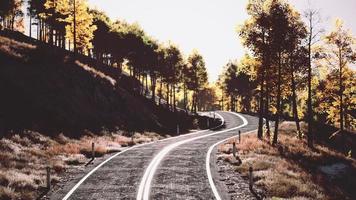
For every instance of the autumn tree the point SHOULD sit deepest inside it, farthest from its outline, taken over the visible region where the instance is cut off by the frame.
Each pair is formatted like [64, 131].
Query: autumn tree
[206, 99]
[198, 76]
[254, 34]
[231, 83]
[313, 19]
[185, 78]
[340, 52]
[328, 98]
[80, 29]
[297, 58]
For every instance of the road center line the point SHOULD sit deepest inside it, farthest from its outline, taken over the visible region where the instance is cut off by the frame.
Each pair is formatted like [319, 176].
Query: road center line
[145, 185]
[113, 156]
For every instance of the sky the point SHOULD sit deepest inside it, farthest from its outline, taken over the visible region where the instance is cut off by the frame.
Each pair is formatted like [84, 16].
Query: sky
[208, 25]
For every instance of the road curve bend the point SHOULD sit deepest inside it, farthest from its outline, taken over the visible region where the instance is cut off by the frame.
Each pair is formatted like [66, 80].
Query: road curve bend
[183, 174]
[173, 168]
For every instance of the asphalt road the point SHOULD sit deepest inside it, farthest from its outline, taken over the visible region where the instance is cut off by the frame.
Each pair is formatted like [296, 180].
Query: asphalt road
[167, 169]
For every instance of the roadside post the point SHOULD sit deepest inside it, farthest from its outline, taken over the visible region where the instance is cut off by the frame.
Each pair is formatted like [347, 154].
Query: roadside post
[239, 137]
[48, 169]
[234, 149]
[251, 178]
[177, 129]
[207, 123]
[92, 151]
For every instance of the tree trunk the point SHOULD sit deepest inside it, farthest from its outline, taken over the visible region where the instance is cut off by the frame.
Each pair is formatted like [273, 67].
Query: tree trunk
[174, 97]
[142, 84]
[153, 88]
[260, 114]
[74, 28]
[232, 106]
[310, 109]
[30, 28]
[194, 102]
[275, 135]
[167, 96]
[222, 100]
[39, 27]
[185, 96]
[160, 91]
[268, 129]
[295, 108]
[38, 30]
[146, 80]
[341, 90]
[171, 96]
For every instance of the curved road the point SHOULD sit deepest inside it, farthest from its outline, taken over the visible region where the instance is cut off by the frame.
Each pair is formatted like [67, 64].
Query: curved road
[174, 168]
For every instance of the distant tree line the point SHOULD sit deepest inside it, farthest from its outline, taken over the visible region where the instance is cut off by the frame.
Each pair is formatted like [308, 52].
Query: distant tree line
[71, 24]
[292, 70]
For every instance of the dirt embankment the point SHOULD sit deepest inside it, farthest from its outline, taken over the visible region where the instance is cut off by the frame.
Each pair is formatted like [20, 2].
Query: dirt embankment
[45, 89]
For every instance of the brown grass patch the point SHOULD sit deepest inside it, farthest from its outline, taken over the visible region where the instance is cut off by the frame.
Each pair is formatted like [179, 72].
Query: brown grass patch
[289, 170]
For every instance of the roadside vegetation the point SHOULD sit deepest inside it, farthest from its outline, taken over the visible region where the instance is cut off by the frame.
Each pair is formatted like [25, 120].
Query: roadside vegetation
[24, 157]
[290, 170]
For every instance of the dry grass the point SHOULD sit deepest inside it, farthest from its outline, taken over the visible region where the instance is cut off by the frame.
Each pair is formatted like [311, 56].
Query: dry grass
[24, 158]
[96, 72]
[289, 170]
[14, 48]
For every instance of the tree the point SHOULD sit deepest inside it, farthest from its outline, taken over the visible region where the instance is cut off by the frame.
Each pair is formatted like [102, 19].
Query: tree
[248, 84]
[279, 14]
[253, 34]
[55, 15]
[297, 58]
[11, 15]
[274, 33]
[340, 45]
[185, 75]
[231, 83]
[313, 20]
[36, 9]
[102, 38]
[198, 76]
[173, 63]
[328, 98]
[80, 29]
[220, 85]
[206, 99]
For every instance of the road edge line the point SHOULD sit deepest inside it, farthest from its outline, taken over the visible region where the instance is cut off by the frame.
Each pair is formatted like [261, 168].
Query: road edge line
[207, 160]
[130, 148]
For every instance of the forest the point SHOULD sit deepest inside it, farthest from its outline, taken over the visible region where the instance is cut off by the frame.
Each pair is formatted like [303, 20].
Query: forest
[293, 70]
[160, 67]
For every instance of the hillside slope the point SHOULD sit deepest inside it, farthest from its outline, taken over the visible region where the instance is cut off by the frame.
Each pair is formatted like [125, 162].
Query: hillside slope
[44, 89]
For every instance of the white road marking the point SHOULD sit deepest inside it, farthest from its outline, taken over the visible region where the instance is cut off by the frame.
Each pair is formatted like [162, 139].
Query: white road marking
[113, 156]
[144, 188]
[145, 185]
[207, 163]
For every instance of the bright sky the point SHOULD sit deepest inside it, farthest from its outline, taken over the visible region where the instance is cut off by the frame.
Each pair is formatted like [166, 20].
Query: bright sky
[208, 25]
